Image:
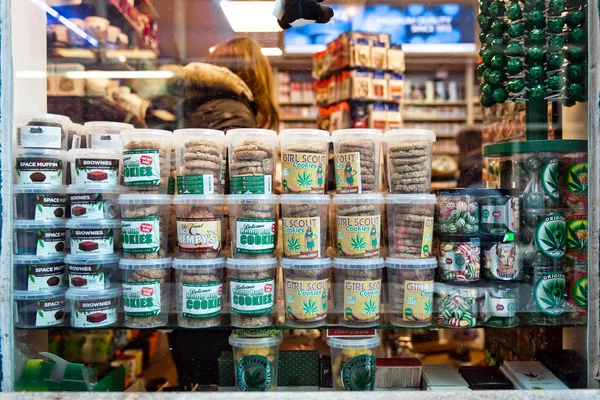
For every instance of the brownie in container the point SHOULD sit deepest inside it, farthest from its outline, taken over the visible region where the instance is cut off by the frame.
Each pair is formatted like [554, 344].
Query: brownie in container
[39, 309]
[94, 236]
[34, 273]
[40, 202]
[40, 238]
[94, 308]
[95, 166]
[92, 272]
[93, 201]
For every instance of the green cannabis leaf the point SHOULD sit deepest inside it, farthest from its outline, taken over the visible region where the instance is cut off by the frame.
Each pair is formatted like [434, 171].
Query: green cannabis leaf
[255, 379]
[309, 307]
[370, 307]
[304, 179]
[358, 243]
[362, 379]
[293, 244]
[338, 180]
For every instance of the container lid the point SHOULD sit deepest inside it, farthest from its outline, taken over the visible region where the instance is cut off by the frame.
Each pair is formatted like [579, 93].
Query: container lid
[135, 264]
[93, 223]
[38, 294]
[184, 263]
[78, 128]
[410, 198]
[304, 199]
[41, 224]
[305, 264]
[535, 146]
[255, 342]
[41, 153]
[193, 199]
[252, 199]
[91, 259]
[94, 188]
[60, 189]
[147, 134]
[370, 134]
[20, 260]
[252, 132]
[95, 153]
[358, 263]
[249, 263]
[179, 133]
[500, 237]
[410, 135]
[108, 127]
[308, 134]
[145, 199]
[59, 119]
[109, 293]
[460, 238]
[372, 198]
[407, 263]
[475, 192]
[363, 343]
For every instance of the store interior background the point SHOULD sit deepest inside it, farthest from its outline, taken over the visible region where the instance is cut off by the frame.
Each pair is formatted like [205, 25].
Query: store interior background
[187, 29]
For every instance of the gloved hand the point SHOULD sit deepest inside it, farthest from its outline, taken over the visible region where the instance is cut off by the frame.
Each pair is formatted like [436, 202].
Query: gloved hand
[301, 12]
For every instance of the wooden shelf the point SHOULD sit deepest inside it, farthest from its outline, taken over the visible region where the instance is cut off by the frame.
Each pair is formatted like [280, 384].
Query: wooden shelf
[298, 119]
[434, 103]
[300, 103]
[434, 119]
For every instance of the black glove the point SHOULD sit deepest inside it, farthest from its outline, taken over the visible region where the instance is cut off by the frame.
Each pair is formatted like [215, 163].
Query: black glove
[301, 12]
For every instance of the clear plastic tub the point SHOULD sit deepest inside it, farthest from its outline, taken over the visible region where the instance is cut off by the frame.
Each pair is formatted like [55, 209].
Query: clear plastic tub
[500, 305]
[146, 160]
[305, 219]
[200, 160]
[40, 167]
[410, 225]
[459, 258]
[33, 273]
[42, 308]
[253, 225]
[357, 159]
[353, 363]
[93, 202]
[42, 131]
[304, 157]
[408, 154]
[145, 225]
[75, 134]
[39, 238]
[103, 134]
[252, 291]
[456, 306]
[40, 202]
[357, 291]
[410, 291]
[306, 285]
[95, 166]
[574, 182]
[94, 236]
[358, 222]
[255, 362]
[501, 258]
[201, 227]
[458, 211]
[94, 308]
[199, 292]
[252, 158]
[500, 211]
[146, 292]
[92, 272]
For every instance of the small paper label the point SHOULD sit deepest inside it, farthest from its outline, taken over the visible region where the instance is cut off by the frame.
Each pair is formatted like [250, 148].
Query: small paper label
[427, 240]
[45, 137]
[50, 312]
[255, 236]
[358, 236]
[202, 300]
[45, 276]
[196, 184]
[502, 218]
[94, 313]
[88, 277]
[503, 308]
[348, 173]
[39, 171]
[199, 235]
[303, 172]
[577, 236]
[418, 301]
[104, 141]
[301, 237]
[362, 300]
[252, 296]
[141, 168]
[502, 259]
[141, 235]
[306, 300]
[252, 184]
[96, 170]
[92, 241]
[141, 299]
[51, 241]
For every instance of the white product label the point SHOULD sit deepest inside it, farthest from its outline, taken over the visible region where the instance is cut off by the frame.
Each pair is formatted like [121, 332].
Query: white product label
[50, 312]
[45, 276]
[92, 241]
[89, 277]
[198, 235]
[252, 296]
[255, 236]
[103, 141]
[97, 171]
[88, 313]
[141, 168]
[141, 299]
[202, 300]
[46, 137]
[50, 241]
[505, 308]
[50, 206]
[39, 171]
[141, 235]
[87, 206]
[502, 259]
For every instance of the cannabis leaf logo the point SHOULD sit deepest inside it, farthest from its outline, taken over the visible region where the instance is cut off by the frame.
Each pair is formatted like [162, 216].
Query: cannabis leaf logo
[362, 379]
[338, 180]
[577, 238]
[551, 238]
[304, 179]
[358, 243]
[309, 307]
[427, 306]
[550, 180]
[293, 244]
[582, 298]
[577, 182]
[370, 307]
[254, 379]
[553, 295]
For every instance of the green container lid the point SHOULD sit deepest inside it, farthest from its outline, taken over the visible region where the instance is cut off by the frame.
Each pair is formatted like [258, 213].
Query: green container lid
[535, 146]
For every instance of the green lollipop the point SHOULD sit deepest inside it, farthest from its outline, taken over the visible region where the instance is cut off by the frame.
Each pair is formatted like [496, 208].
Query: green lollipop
[514, 12]
[575, 91]
[487, 57]
[514, 66]
[536, 18]
[496, 9]
[574, 18]
[486, 89]
[487, 101]
[537, 92]
[556, 44]
[483, 22]
[500, 95]
[486, 74]
[498, 61]
[556, 25]
[514, 49]
[556, 7]
[481, 69]
[498, 27]
[555, 61]
[537, 36]
[496, 77]
[515, 85]
[556, 82]
[516, 30]
[482, 36]
[576, 36]
[535, 54]
[574, 73]
[575, 53]
[536, 74]
[484, 5]
[536, 4]
[498, 46]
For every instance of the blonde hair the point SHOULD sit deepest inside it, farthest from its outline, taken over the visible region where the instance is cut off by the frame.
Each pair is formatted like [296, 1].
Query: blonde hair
[244, 58]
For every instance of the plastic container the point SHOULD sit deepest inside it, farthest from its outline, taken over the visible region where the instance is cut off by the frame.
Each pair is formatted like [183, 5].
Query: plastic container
[545, 238]
[577, 234]
[410, 225]
[253, 225]
[408, 154]
[39, 309]
[501, 258]
[146, 292]
[459, 258]
[456, 306]
[353, 363]
[200, 159]
[201, 225]
[357, 291]
[305, 219]
[500, 305]
[92, 272]
[252, 291]
[39, 238]
[199, 292]
[304, 157]
[457, 211]
[40, 167]
[103, 134]
[252, 158]
[574, 180]
[545, 304]
[358, 225]
[357, 158]
[255, 360]
[500, 211]
[146, 160]
[33, 273]
[95, 166]
[42, 131]
[145, 225]
[306, 285]
[40, 202]
[93, 202]
[94, 237]
[410, 291]
[94, 308]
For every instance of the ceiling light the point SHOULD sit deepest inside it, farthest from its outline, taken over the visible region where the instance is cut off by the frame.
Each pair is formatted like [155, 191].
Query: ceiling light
[250, 16]
[120, 74]
[271, 51]
[212, 49]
